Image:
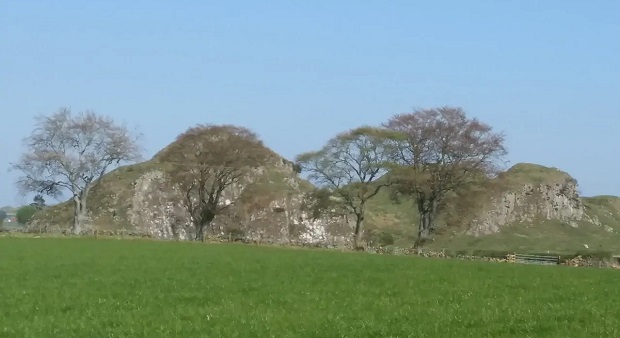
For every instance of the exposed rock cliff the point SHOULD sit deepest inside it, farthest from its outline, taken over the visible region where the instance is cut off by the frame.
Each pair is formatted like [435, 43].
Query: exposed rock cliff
[532, 193]
[140, 199]
[551, 202]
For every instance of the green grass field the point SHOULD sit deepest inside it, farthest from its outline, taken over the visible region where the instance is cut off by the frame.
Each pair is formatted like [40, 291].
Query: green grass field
[132, 288]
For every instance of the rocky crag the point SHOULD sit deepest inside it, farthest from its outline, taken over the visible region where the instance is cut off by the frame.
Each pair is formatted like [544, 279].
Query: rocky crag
[532, 193]
[140, 199]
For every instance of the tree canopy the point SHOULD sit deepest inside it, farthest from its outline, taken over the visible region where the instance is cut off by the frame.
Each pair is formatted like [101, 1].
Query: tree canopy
[438, 151]
[348, 166]
[69, 152]
[208, 163]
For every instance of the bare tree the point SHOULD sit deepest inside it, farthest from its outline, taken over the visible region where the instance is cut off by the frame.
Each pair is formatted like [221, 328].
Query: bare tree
[206, 162]
[71, 153]
[350, 166]
[438, 151]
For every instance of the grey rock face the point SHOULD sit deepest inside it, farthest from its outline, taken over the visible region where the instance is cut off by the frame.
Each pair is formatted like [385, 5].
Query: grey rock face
[156, 210]
[559, 201]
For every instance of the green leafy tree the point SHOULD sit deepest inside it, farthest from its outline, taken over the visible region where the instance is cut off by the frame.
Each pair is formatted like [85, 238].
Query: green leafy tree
[349, 167]
[437, 153]
[25, 213]
[2, 215]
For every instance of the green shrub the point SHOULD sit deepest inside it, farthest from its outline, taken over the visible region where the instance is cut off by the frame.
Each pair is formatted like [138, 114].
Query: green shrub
[379, 238]
[25, 213]
[386, 238]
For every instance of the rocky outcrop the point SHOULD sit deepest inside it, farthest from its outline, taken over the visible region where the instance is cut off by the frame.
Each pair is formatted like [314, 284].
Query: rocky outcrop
[155, 210]
[559, 201]
[140, 199]
[531, 192]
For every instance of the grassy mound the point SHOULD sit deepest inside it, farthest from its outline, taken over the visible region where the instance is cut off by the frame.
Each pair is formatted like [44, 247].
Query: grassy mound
[539, 236]
[104, 288]
[604, 209]
[392, 223]
[533, 174]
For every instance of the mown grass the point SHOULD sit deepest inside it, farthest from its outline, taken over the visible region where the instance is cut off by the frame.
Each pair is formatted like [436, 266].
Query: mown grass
[57, 287]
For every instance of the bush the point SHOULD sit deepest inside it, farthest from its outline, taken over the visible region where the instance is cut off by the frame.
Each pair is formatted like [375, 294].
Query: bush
[25, 213]
[381, 238]
[386, 239]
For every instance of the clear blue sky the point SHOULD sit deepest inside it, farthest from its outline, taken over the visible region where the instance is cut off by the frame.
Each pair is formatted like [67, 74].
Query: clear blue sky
[547, 73]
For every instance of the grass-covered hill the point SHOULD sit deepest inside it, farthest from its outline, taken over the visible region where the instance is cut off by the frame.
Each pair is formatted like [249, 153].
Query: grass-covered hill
[527, 208]
[530, 208]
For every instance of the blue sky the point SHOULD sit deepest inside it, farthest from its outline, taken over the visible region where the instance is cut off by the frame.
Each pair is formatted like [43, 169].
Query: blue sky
[547, 73]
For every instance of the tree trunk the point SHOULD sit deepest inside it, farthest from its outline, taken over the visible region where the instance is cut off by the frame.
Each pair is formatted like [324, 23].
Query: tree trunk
[79, 214]
[427, 221]
[422, 230]
[200, 232]
[206, 218]
[357, 237]
[423, 224]
[421, 221]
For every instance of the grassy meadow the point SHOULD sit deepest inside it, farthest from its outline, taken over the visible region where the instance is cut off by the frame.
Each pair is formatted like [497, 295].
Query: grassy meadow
[55, 287]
